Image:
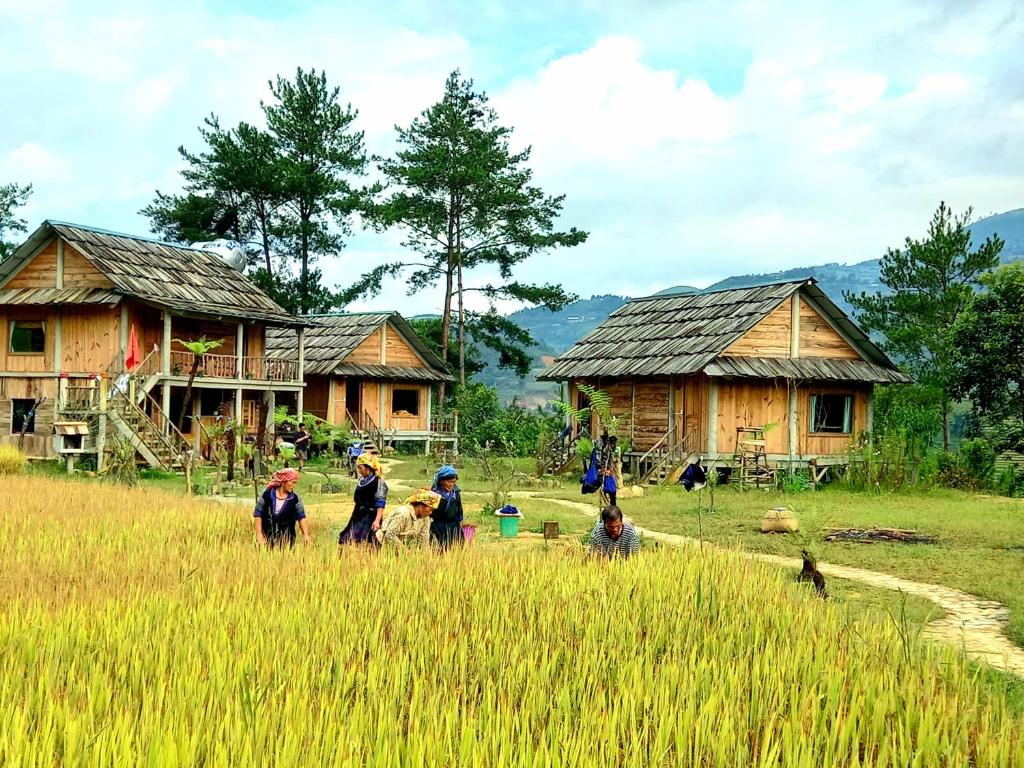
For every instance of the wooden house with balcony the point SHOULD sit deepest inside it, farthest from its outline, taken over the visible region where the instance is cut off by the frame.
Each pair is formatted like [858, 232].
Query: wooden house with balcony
[71, 298]
[752, 377]
[373, 371]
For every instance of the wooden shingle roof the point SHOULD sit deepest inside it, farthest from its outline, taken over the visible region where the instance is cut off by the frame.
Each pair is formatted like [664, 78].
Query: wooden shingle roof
[187, 280]
[332, 338]
[686, 334]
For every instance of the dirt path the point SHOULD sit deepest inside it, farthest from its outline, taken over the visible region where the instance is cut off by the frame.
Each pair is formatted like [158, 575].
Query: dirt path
[971, 624]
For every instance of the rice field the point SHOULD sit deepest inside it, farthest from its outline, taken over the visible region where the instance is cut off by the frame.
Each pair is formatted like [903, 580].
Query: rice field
[140, 628]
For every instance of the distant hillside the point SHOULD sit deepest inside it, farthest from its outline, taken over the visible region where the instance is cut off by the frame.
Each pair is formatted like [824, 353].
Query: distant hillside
[555, 332]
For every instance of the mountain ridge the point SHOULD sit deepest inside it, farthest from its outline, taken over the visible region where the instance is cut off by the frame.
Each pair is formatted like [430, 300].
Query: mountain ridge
[555, 332]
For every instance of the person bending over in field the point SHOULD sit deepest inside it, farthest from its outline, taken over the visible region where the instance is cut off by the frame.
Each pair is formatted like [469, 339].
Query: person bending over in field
[613, 536]
[371, 496]
[409, 524]
[277, 511]
[446, 520]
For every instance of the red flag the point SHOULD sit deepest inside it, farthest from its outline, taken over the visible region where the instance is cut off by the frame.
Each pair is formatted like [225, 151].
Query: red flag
[132, 356]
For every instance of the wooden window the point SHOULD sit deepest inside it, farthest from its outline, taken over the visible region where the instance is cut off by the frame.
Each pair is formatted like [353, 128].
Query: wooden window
[831, 414]
[23, 414]
[405, 402]
[28, 337]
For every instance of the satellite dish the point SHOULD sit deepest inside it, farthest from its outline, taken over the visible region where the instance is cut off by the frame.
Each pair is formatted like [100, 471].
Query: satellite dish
[227, 250]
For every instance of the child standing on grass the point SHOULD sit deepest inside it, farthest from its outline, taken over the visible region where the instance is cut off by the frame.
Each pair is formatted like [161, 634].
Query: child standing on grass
[277, 511]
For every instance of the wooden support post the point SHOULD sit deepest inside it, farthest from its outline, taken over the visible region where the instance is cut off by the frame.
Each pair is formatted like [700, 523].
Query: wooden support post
[101, 439]
[239, 431]
[794, 325]
[384, 344]
[58, 341]
[793, 421]
[239, 347]
[165, 347]
[60, 262]
[62, 392]
[302, 371]
[713, 419]
[869, 418]
[124, 331]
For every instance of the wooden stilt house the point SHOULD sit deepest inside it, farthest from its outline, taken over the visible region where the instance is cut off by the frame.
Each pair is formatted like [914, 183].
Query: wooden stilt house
[71, 299]
[777, 371]
[373, 371]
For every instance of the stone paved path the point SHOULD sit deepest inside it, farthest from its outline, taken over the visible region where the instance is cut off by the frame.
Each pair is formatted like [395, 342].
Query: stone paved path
[971, 624]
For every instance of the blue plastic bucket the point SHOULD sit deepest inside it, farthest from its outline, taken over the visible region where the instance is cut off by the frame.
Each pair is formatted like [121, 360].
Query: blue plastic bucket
[509, 526]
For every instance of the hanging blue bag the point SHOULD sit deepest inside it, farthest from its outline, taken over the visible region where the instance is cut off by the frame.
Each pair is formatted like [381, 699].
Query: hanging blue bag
[590, 482]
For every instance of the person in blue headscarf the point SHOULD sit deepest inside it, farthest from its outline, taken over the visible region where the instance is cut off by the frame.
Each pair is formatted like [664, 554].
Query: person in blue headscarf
[446, 520]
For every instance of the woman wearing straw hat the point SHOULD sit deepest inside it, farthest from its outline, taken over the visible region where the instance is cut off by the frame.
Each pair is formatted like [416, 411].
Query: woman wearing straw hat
[371, 496]
[446, 520]
[278, 509]
[410, 523]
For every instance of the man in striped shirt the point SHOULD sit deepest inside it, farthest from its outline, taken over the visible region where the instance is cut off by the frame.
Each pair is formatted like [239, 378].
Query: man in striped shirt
[613, 536]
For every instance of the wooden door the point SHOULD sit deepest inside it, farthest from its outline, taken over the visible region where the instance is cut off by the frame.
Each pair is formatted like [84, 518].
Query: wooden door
[353, 400]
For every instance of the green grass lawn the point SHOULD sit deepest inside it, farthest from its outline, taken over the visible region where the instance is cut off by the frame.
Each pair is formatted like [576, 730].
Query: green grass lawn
[979, 547]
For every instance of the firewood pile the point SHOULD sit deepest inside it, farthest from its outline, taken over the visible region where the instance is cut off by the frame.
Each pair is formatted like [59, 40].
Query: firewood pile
[871, 535]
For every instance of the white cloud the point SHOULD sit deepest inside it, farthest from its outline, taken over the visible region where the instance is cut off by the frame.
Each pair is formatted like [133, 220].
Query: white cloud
[842, 127]
[32, 162]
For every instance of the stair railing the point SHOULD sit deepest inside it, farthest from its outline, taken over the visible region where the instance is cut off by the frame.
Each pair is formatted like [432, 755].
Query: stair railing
[147, 432]
[675, 454]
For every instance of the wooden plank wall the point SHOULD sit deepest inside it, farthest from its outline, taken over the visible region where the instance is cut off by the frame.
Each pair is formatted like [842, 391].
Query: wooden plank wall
[819, 339]
[769, 338]
[80, 273]
[149, 327]
[371, 401]
[368, 352]
[40, 442]
[315, 398]
[753, 403]
[409, 423]
[398, 351]
[41, 272]
[831, 445]
[19, 362]
[650, 411]
[90, 338]
[256, 341]
[189, 329]
[339, 402]
[692, 393]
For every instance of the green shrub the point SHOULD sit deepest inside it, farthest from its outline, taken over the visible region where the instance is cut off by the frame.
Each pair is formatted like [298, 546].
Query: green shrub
[978, 457]
[12, 461]
[953, 472]
[1010, 482]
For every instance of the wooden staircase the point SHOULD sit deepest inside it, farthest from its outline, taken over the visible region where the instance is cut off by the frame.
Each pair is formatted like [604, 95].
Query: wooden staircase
[369, 434]
[666, 460]
[558, 455]
[130, 411]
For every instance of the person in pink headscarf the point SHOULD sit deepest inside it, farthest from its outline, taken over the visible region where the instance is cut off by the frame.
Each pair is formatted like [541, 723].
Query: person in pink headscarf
[277, 511]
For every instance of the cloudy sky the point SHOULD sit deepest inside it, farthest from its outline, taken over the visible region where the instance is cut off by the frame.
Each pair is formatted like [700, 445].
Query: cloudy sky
[694, 140]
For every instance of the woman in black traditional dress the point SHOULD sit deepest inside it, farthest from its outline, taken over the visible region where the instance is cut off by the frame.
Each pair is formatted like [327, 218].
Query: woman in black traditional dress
[370, 498]
[446, 520]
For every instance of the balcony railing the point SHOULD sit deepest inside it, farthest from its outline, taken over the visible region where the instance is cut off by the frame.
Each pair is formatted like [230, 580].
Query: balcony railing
[445, 424]
[226, 367]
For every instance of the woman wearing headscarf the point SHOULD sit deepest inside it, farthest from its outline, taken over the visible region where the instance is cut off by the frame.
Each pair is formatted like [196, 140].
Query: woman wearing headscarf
[278, 509]
[370, 499]
[446, 520]
[409, 524]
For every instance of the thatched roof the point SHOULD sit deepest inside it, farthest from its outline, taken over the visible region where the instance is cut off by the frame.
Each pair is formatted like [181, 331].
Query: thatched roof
[686, 334]
[332, 338]
[186, 280]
